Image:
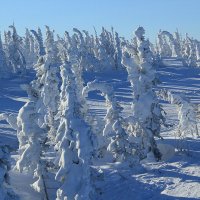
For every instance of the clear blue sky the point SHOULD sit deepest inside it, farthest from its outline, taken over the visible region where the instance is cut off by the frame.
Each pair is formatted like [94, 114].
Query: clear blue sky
[123, 15]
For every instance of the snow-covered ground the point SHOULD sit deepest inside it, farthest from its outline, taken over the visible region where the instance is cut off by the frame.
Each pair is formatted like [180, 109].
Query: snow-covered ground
[176, 177]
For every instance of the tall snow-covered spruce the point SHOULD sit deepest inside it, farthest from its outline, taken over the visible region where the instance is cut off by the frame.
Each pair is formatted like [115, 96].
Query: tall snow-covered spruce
[35, 120]
[75, 173]
[147, 114]
[15, 55]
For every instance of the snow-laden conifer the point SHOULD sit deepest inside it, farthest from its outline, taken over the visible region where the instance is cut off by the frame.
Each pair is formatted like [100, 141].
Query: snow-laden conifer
[16, 60]
[51, 46]
[4, 70]
[146, 109]
[75, 147]
[187, 113]
[29, 134]
[38, 44]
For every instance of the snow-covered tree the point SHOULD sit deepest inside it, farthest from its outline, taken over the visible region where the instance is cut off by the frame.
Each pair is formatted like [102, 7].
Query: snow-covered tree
[122, 149]
[187, 113]
[163, 47]
[189, 52]
[29, 135]
[103, 137]
[32, 136]
[50, 96]
[26, 46]
[197, 48]
[146, 109]
[76, 145]
[51, 47]
[173, 44]
[15, 55]
[4, 70]
[118, 51]
[33, 127]
[192, 59]
[113, 137]
[38, 44]
[28, 49]
[178, 43]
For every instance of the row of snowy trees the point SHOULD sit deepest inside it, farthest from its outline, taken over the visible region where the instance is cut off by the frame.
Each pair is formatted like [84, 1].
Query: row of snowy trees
[174, 45]
[18, 53]
[56, 118]
[98, 52]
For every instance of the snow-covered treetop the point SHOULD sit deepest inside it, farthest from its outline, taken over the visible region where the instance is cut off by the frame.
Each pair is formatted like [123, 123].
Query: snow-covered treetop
[140, 33]
[39, 41]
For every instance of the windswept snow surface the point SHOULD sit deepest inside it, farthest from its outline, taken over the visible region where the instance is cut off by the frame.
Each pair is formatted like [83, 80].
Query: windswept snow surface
[176, 177]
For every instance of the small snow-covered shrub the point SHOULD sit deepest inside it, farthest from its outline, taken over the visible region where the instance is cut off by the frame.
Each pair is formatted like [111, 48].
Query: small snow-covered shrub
[113, 137]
